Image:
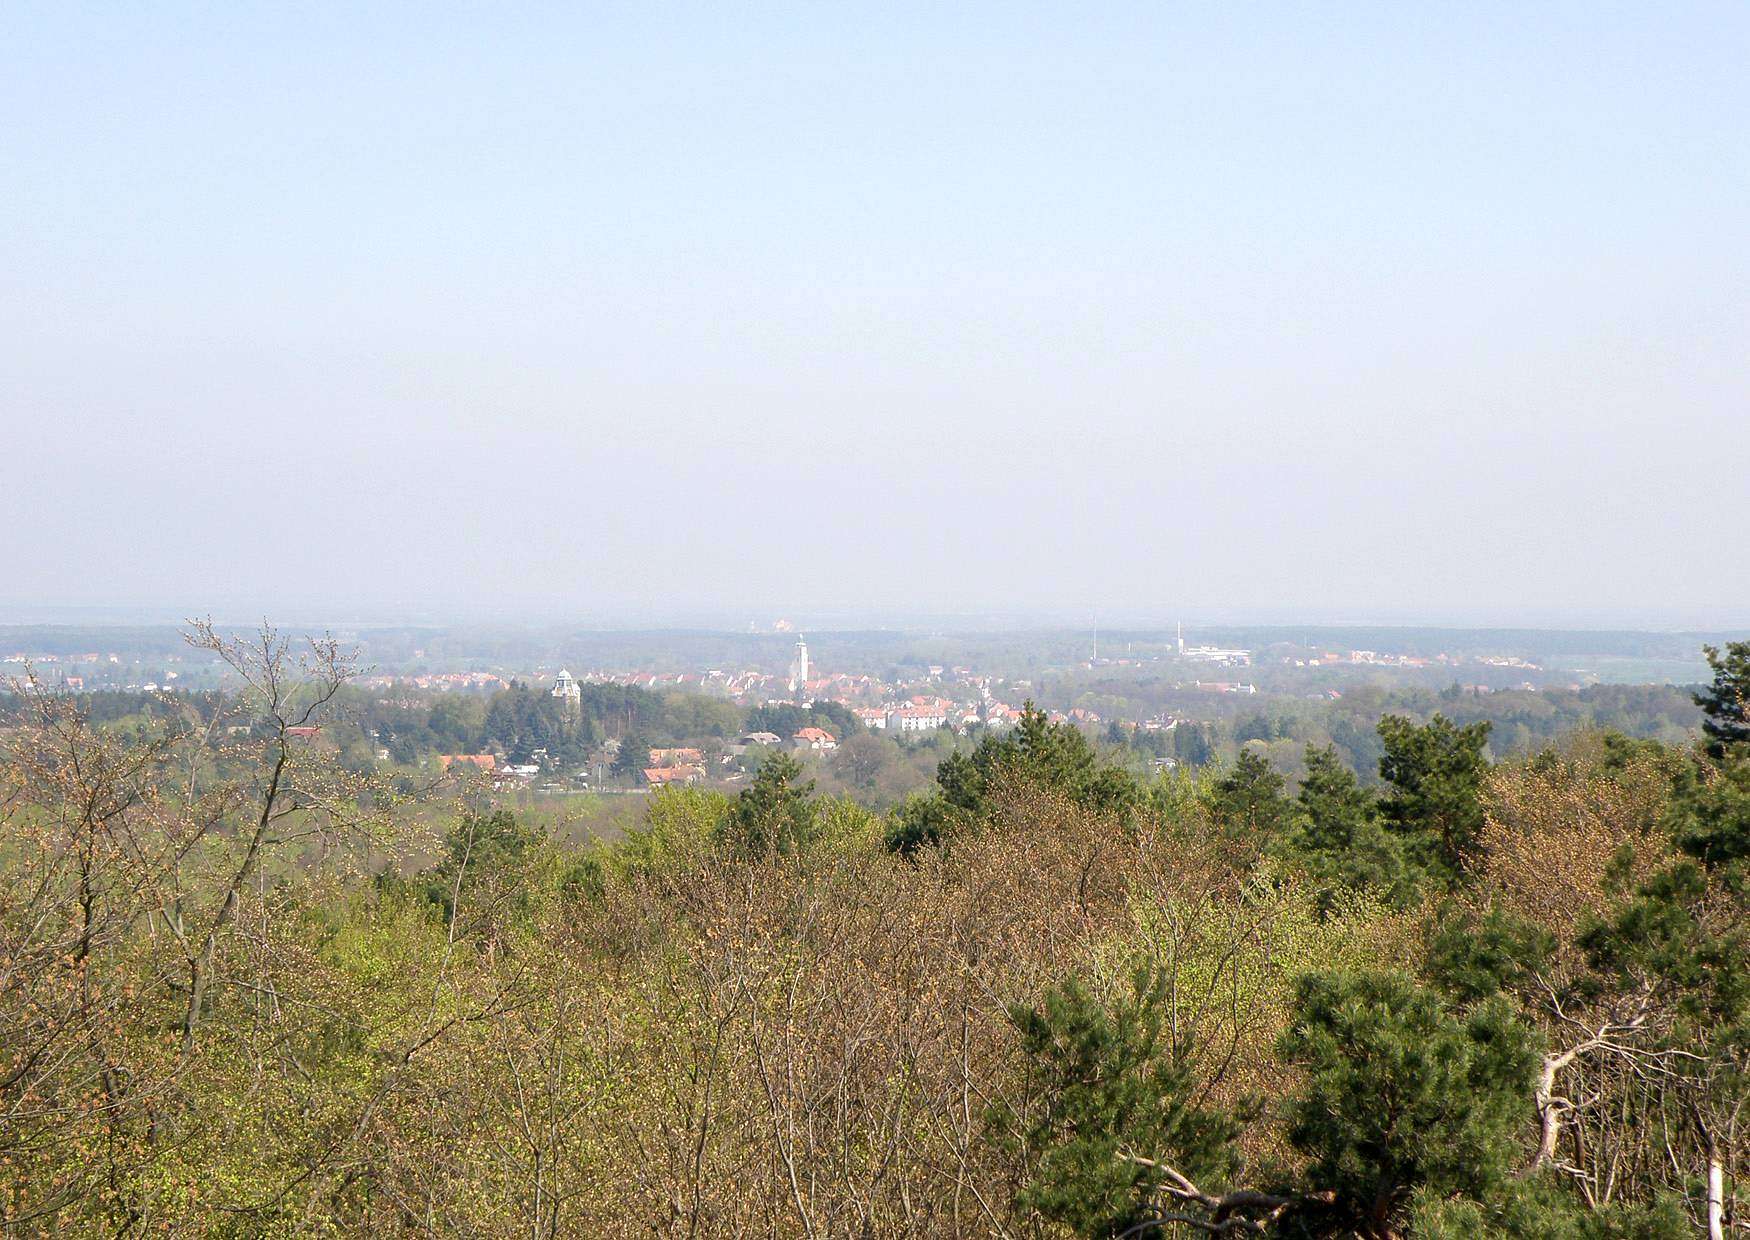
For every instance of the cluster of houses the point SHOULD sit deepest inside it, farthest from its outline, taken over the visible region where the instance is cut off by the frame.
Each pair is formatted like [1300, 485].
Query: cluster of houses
[503, 774]
[924, 713]
[674, 766]
[444, 682]
[687, 766]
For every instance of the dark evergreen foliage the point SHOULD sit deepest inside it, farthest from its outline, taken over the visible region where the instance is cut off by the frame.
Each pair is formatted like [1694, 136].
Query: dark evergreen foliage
[1401, 1094]
[1338, 839]
[1106, 1083]
[775, 814]
[1726, 702]
[1434, 774]
[1047, 755]
[1249, 800]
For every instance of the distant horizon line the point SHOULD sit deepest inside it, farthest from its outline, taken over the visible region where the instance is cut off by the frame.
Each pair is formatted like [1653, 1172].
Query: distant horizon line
[802, 621]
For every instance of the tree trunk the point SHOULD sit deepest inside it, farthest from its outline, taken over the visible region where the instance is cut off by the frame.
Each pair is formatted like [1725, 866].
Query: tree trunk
[1716, 1197]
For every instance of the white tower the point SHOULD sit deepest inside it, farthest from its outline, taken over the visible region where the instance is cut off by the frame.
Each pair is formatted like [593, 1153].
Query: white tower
[569, 692]
[1181, 637]
[799, 669]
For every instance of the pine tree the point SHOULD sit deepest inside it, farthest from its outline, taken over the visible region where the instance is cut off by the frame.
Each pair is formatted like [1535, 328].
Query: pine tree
[1726, 702]
[1402, 1094]
[775, 813]
[1339, 840]
[1108, 1084]
[1435, 777]
[634, 752]
[1249, 800]
[1047, 755]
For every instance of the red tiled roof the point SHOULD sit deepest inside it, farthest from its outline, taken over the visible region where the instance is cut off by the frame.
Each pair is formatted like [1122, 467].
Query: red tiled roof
[671, 774]
[484, 761]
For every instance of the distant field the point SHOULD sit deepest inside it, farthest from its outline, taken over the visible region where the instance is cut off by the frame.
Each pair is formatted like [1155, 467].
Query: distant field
[1631, 670]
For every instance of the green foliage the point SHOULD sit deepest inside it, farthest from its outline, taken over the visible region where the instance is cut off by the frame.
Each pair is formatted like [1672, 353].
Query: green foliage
[1333, 804]
[1259, 727]
[1401, 1095]
[1249, 800]
[680, 826]
[1048, 755]
[1472, 956]
[1538, 1209]
[691, 1043]
[1191, 744]
[1105, 1085]
[1339, 840]
[1684, 936]
[843, 823]
[1683, 939]
[480, 851]
[1685, 930]
[521, 720]
[915, 822]
[1622, 752]
[1434, 774]
[1234, 963]
[785, 719]
[1178, 793]
[1408, 1116]
[1726, 702]
[527, 723]
[694, 716]
[1709, 816]
[775, 814]
[634, 753]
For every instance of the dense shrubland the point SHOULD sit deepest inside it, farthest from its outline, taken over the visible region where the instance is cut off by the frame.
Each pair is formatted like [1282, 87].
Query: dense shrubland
[246, 991]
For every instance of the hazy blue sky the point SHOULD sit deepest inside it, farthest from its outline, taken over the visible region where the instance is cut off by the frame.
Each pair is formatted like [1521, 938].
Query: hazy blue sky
[1334, 310]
